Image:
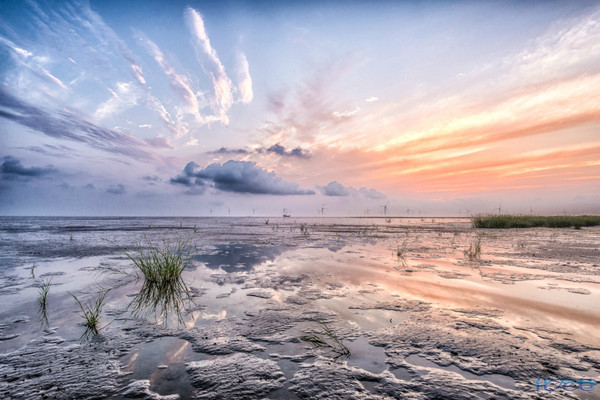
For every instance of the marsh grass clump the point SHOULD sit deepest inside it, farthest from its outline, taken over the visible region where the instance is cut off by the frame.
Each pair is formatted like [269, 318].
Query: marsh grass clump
[163, 290]
[90, 312]
[161, 298]
[328, 339]
[473, 253]
[163, 263]
[44, 290]
[532, 221]
[401, 253]
[304, 229]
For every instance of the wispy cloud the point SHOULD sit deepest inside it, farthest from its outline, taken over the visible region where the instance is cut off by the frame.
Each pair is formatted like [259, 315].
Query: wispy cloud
[222, 85]
[160, 142]
[66, 124]
[180, 83]
[315, 110]
[51, 150]
[34, 65]
[244, 79]
[237, 177]
[113, 40]
[125, 96]
[224, 90]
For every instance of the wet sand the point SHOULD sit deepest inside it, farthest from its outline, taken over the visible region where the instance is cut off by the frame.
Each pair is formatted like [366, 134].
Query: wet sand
[426, 323]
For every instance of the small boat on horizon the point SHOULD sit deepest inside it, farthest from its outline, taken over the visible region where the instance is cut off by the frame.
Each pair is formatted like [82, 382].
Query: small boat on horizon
[286, 213]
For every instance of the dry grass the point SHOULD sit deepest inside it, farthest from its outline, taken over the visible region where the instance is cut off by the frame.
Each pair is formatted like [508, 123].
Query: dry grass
[473, 253]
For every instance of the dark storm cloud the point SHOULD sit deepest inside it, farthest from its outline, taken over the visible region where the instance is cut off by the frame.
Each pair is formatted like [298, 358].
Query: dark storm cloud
[116, 189]
[337, 189]
[238, 177]
[12, 169]
[67, 125]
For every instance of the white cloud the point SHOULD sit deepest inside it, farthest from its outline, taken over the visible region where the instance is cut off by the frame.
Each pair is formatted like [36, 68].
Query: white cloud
[347, 113]
[245, 80]
[181, 83]
[125, 96]
[222, 85]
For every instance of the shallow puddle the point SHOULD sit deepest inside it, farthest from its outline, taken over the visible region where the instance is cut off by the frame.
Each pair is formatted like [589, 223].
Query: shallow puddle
[366, 356]
[163, 362]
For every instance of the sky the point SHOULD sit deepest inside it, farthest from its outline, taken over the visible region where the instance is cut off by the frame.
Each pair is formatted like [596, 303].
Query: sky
[333, 108]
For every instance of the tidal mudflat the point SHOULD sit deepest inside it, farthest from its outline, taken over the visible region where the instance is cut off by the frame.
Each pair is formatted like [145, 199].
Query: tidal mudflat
[331, 308]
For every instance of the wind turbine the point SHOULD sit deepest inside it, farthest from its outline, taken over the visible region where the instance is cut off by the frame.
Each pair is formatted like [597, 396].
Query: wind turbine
[385, 208]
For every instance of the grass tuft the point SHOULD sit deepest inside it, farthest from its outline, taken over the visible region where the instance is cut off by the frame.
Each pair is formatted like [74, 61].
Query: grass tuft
[161, 264]
[401, 253]
[473, 253]
[531, 221]
[164, 290]
[44, 290]
[327, 339]
[304, 229]
[91, 314]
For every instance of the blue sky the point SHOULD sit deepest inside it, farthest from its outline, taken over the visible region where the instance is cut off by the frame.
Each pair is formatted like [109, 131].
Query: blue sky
[234, 108]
